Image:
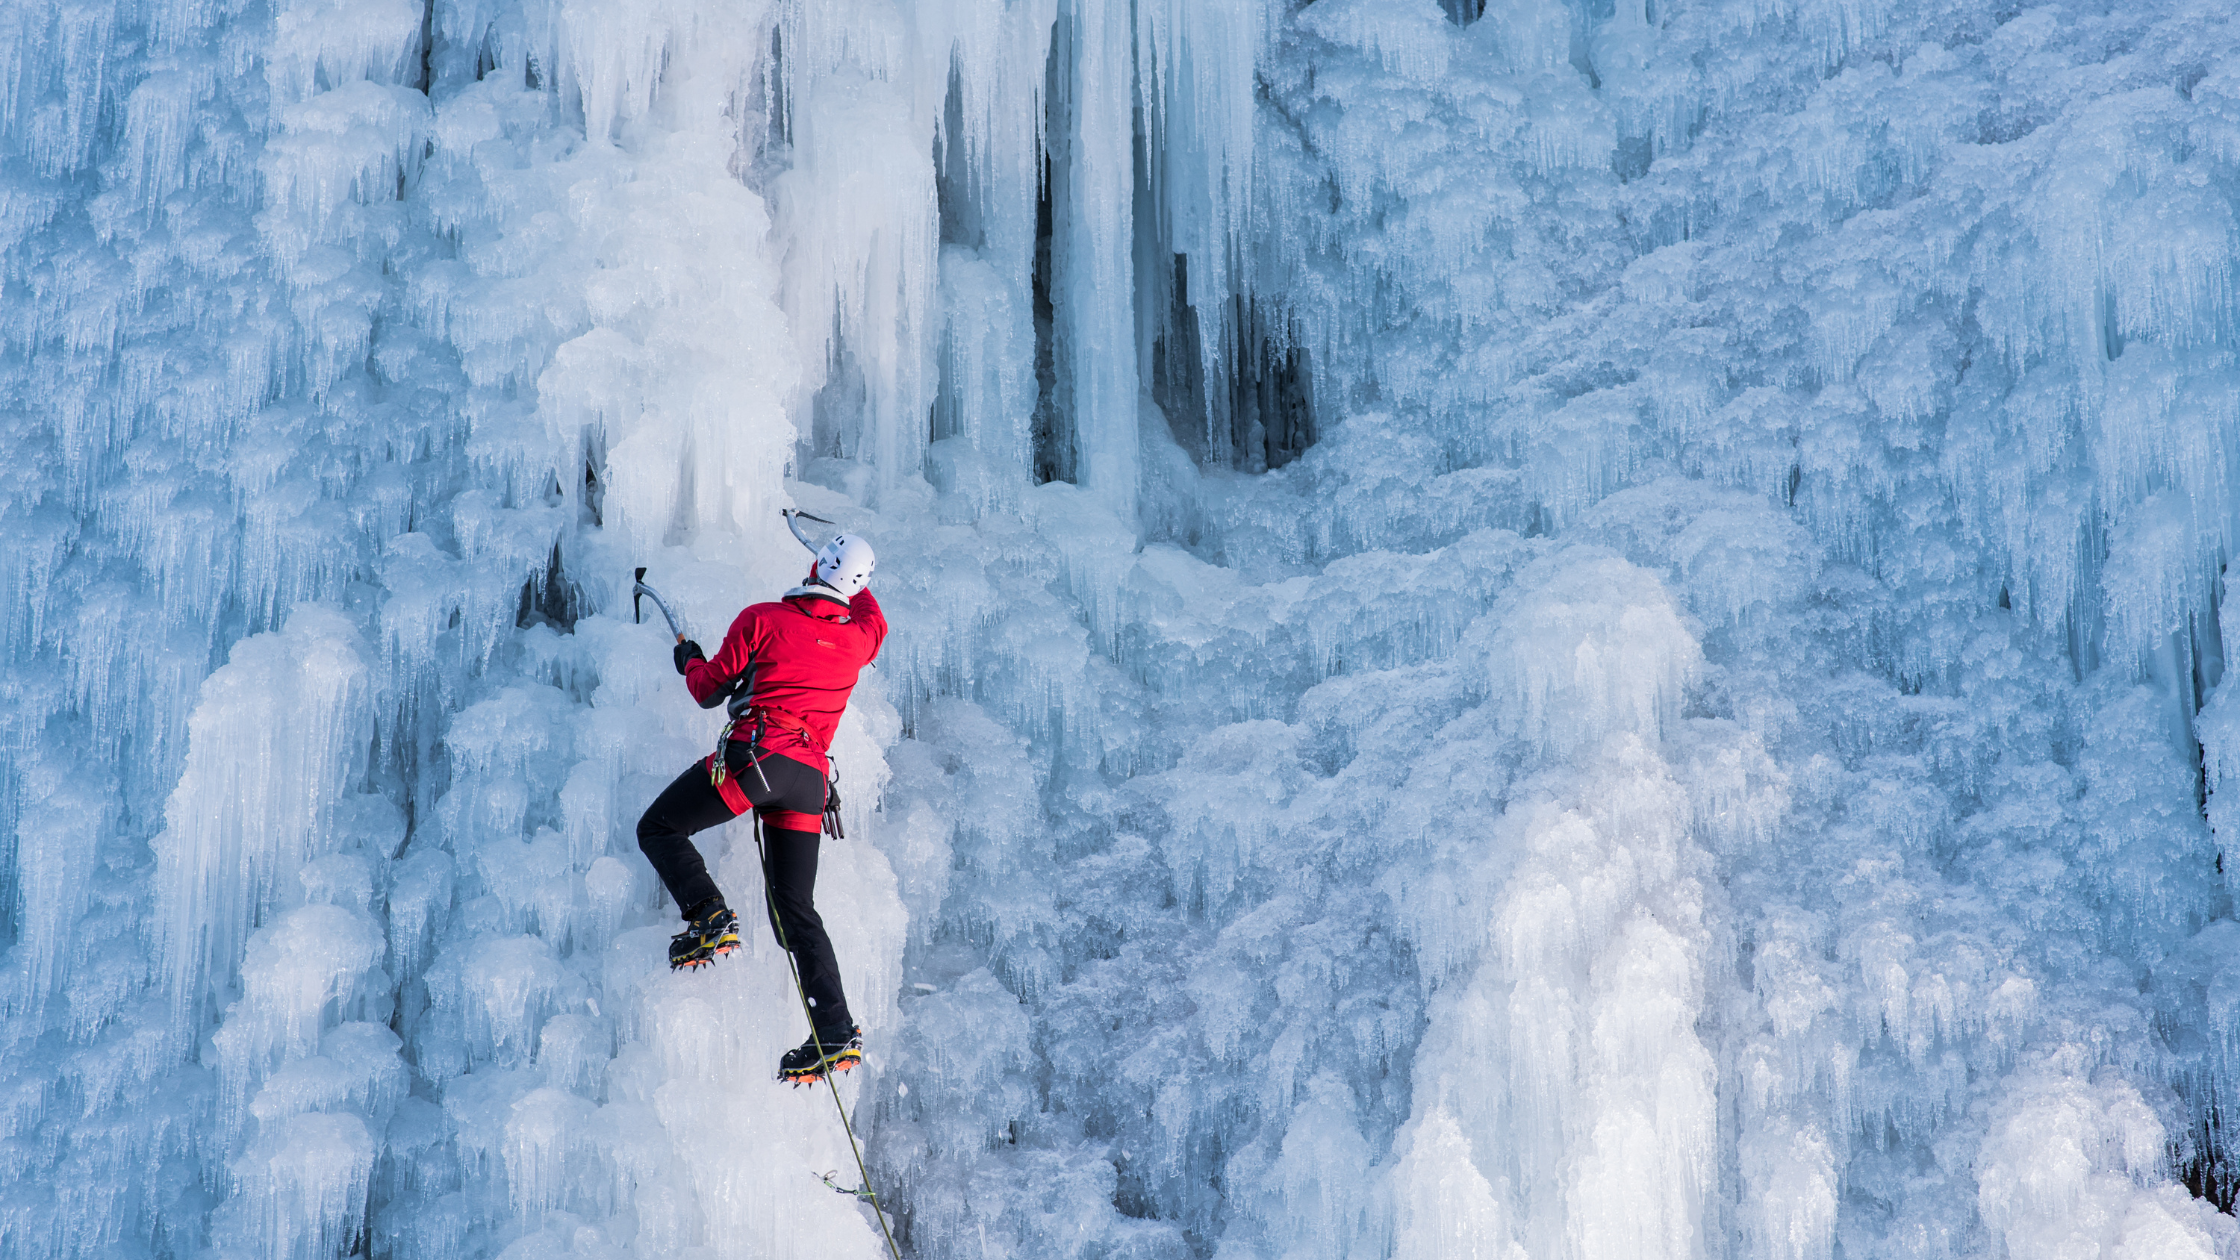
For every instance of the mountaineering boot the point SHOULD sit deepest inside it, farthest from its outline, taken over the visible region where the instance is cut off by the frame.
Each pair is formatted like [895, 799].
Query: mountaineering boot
[713, 932]
[835, 1051]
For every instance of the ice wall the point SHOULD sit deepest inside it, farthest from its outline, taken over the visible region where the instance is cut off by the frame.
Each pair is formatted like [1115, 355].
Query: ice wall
[340, 340]
[1707, 754]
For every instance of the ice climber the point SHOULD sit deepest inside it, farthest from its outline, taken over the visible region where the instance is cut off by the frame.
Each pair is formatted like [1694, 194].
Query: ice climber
[786, 669]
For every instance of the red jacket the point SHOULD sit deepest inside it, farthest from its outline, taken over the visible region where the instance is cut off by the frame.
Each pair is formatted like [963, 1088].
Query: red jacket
[805, 654]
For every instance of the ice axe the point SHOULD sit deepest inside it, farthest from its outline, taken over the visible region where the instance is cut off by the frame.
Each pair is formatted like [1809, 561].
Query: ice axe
[794, 517]
[639, 592]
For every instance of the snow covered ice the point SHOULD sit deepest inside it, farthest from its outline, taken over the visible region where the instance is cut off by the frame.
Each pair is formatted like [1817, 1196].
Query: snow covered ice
[1578, 631]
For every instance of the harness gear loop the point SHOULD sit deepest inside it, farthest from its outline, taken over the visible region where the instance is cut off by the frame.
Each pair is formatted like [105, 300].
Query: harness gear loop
[716, 768]
[735, 706]
[867, 1193]
[832, 801]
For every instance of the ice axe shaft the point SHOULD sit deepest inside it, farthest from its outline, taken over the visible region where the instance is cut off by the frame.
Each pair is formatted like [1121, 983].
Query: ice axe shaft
[639, 592]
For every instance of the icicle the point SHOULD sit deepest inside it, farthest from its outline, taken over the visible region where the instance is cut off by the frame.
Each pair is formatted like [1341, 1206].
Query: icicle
[1092, 264]
[52, 864]
[304, 1185]
[860, 201]
[1588, 647]
[277, 738]
[1446, 1209]
[988, 386]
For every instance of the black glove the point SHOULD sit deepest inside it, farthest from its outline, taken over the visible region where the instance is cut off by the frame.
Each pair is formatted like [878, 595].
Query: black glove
[687, 650]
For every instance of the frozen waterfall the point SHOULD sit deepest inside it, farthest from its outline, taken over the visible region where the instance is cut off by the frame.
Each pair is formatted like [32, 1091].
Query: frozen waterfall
[1579, 630]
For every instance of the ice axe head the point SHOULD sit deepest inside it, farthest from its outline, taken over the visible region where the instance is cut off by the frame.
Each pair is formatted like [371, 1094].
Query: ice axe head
[639, 592]
[794, 517]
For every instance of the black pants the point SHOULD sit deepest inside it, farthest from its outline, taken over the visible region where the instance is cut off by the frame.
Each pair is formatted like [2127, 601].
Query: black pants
[692, 804]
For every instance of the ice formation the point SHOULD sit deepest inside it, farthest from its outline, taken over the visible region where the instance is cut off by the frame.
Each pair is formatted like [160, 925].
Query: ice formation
[1522, 629]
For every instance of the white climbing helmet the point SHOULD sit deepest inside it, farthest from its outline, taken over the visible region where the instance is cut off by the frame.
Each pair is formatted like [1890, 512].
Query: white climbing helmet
[845, 564]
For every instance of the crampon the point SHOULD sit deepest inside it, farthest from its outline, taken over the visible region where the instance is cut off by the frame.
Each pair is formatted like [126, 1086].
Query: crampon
[827, 1052]
[704, 939]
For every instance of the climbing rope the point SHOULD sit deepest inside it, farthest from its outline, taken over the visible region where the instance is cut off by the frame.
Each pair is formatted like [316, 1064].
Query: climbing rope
[776, 925]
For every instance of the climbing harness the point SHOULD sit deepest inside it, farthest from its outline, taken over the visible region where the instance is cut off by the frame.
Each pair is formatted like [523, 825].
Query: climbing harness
[867, 1194]
[718, 771]
[722, 777]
